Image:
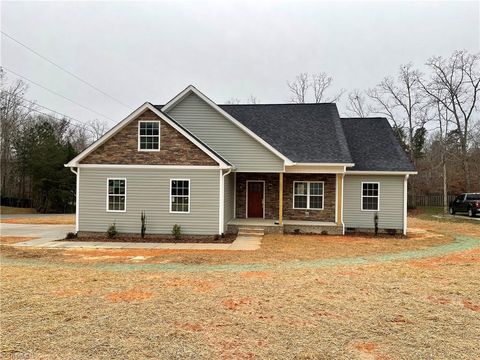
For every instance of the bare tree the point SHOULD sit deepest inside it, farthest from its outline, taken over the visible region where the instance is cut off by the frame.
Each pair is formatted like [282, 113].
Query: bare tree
[96, 128]
[299, 88]
[320, 83]
[357, 104]
[233, 101]
[402, 102]
[455, 83]
[13, 111]
[252, 100]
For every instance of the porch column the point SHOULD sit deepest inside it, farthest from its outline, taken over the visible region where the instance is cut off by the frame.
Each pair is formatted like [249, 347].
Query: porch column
[339, 200]
[280, 198]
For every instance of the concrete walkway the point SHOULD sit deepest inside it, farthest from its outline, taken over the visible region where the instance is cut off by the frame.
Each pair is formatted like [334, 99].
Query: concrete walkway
[47, 236]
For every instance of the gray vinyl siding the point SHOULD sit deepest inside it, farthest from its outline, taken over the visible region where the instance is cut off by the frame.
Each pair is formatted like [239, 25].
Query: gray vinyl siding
[149, 190]
[228, 198]
[390, 215]
[234, 144]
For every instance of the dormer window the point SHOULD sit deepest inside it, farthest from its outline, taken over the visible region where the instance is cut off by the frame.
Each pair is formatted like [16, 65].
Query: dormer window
[149, 135]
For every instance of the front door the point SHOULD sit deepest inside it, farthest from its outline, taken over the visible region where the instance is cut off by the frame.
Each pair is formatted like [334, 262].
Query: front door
[255, 199]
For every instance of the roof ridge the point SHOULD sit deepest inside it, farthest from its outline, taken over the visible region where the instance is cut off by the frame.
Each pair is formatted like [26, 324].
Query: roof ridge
[277, 104]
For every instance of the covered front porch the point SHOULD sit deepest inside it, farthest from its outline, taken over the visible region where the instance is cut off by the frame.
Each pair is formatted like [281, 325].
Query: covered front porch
[273, 226]
[287, 202]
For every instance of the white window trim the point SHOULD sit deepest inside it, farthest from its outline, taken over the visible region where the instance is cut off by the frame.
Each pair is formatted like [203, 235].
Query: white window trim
[308, 195]
[361, 196]
[108, 194]
[246, 198]
[138, 135]
[189, 197]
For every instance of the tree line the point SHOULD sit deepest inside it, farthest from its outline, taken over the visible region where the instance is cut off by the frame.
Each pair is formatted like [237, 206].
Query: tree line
[34, 147]
[434, 112]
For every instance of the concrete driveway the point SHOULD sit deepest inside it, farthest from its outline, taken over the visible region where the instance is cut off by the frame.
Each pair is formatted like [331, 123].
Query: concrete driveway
[43, 233]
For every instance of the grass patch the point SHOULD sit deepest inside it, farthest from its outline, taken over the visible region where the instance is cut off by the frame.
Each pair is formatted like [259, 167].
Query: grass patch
[43, 220]
[8, 210]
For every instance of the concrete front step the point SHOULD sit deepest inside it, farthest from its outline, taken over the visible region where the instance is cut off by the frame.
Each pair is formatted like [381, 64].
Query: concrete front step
[244, 233]
[251, 231]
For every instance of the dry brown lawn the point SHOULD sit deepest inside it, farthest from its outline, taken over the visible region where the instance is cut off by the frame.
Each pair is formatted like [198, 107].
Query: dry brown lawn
[60, 304]
[14, 239]
[44, 220]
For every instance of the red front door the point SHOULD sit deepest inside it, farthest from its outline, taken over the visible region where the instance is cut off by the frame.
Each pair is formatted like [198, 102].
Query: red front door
[255, 199]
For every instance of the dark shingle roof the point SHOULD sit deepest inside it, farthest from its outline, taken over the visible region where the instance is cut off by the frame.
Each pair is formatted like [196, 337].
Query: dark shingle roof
[308, 133]
[374, 146]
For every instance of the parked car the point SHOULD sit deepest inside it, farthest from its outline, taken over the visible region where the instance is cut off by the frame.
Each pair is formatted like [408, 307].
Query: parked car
[467, 203]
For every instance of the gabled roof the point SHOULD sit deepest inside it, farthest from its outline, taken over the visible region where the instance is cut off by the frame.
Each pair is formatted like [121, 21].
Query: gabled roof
[305, 133]
[374, 146]
[147, 106]
[193, 90]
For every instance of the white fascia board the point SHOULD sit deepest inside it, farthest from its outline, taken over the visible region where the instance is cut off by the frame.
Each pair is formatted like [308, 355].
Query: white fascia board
[322, 164]
[381, 172]
[140, 166]
[133, 115]
[193, 89]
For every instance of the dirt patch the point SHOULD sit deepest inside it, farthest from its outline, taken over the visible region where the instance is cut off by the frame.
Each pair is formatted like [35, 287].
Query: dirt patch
[14, 239]
[43, 220]
[469, 305]
[468, 257]
[365, 347]
[232, 304]
[254, 274]
[131, 295]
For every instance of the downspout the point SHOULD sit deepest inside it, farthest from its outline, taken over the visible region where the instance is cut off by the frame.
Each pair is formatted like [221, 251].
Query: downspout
[77, 196]
[405, 204]
[221, 219]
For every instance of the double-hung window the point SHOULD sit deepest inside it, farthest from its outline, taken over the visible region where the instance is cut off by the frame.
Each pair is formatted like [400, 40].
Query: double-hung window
[149, 135]
[308, 195]
[180, 196]
[117, 195]
[370, 196]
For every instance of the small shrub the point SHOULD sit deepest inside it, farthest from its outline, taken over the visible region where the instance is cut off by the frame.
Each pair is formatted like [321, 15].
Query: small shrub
[112, 231]
[144, 226]
[71, 235]
[375, 221]
[177, 232]
[324, 232]
[296, 231]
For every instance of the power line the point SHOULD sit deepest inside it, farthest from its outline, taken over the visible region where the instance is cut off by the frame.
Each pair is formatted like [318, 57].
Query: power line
[65, 70]
[51, 117]
[58, 94]
[46, 108]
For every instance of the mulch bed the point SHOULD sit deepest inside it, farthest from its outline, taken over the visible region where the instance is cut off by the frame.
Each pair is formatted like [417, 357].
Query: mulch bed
[227, 239]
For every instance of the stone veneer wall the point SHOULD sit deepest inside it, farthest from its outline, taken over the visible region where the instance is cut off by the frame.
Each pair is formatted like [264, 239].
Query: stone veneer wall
[271, 193]
[271, 196]
[122, 148]
[328, 212]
